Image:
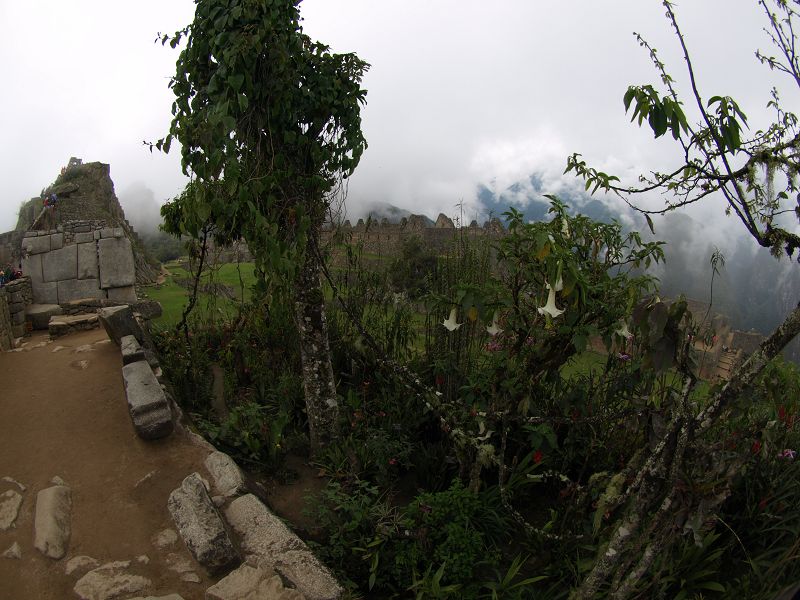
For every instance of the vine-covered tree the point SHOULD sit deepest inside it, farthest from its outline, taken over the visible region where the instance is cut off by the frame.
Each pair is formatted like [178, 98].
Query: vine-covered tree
[756, 177]
[269, 125]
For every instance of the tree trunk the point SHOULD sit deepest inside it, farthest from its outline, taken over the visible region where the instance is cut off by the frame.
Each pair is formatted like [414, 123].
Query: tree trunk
[319, 386]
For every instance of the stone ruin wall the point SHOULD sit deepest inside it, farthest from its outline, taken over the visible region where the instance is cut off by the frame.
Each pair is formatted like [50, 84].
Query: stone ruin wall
[85, 193]
[15, 297]
[77, 260]
[382, 237]
[11, 249]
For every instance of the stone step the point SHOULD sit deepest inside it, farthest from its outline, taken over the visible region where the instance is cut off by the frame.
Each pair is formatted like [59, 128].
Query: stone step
[39, 314]
[65, 324]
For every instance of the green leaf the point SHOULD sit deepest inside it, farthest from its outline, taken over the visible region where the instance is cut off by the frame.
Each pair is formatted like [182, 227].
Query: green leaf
[235, 81]
[628, 97]
[203, 211]
[712, 585]
[650, 224]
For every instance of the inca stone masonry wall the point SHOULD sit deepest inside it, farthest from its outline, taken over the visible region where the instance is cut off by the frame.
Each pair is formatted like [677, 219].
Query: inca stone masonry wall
[385, 237]
[85, 193]
[10, 248]
[79, 260]
[15, 297]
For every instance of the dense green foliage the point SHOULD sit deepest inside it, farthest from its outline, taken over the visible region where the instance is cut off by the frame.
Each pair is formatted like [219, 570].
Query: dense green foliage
[475, 457]
[268, 123]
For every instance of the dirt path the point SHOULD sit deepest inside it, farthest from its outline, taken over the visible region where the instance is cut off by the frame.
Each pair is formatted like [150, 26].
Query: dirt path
[63, 413]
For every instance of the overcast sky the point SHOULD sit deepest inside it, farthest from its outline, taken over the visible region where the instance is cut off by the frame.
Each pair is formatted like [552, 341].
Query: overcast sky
[460, 92]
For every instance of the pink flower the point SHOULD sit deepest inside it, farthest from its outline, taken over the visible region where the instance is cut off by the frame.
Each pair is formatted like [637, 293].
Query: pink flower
[787, 454]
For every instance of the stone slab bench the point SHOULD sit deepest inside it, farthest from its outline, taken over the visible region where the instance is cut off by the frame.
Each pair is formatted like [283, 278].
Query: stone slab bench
[147, 402]
[131, 350]
[39, 314]
[64, 324]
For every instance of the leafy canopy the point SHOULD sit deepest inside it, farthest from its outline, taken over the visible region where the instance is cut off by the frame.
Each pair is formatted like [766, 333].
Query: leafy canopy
[269, 125]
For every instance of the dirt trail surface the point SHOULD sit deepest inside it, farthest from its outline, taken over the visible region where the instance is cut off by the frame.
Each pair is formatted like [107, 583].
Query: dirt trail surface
[63, 413]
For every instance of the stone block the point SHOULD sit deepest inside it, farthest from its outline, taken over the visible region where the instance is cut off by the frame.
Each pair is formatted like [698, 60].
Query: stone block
[65, 324]
[56, 241]
[265, 536]
[18, 318]
[107, 232]
[45, 293]
[36, 245]
[60, 264]
[87, 261]
[40, 314]
[83, 238]
[32, 266]
[30, 234]
[75, 289]
[147, 403]
[122, 295]
[109, 581]
[131, 350]
[116, 263]
[10, 501]
[119, 232]
[18, 330]
[252, 582]
[200, 526]
[96, 234]
[118, 322]
[228, 479]
[52, 521]
[147, 309]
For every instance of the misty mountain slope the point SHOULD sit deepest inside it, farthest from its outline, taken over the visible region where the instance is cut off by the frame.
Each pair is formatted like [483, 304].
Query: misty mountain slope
[528, 197]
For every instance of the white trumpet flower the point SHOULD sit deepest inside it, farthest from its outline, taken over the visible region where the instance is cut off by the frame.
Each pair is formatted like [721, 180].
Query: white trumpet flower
[494, 329]
[559, 284]
[623, 331]
[550, 308]
[450, 324]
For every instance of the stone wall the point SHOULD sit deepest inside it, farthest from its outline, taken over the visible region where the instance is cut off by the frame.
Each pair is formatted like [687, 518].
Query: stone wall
[78, 260]
[383, 237]
[15, 297]
[6, 337]
[85, 193]
[10, 248]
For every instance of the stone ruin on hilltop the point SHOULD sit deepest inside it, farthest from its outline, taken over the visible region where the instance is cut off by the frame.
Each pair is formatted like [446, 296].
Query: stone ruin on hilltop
[84, 200]
[77, 253]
